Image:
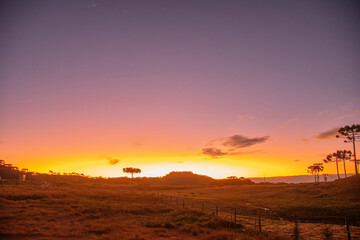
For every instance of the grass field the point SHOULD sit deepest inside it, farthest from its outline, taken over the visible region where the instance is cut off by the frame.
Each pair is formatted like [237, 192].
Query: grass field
[93, 211]
[98, 210]
[322, 202]
[317, 206]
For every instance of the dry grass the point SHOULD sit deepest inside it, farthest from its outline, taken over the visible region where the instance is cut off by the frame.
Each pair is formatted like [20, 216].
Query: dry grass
[318, 206]
[325, 202]
[100, 210]
[88, 211]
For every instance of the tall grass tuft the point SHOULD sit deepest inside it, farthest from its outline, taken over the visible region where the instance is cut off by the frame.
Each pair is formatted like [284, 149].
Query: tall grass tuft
[327, 233]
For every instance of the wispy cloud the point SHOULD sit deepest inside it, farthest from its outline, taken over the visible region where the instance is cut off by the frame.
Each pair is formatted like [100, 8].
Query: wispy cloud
[213, 152]
[239, 141]
[329, 134]
[229, 145]
[326, 135]
[112, 161]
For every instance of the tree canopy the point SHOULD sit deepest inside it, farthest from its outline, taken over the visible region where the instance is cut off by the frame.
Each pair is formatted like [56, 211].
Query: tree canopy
[131, 170]
[315, 169]
[351, 134]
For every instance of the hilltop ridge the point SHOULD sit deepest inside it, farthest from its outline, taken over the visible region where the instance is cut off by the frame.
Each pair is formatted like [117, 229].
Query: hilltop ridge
[186, 178]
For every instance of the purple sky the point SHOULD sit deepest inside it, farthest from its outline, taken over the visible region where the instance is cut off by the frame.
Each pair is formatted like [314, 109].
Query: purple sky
[175, 73]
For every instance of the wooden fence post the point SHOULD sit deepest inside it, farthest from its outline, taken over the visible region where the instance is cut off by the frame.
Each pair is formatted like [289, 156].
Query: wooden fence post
[347, 228]
[259, 223]
[235, 216]
[296, 229]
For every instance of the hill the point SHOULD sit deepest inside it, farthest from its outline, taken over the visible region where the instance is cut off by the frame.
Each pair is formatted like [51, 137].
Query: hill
[186, 178]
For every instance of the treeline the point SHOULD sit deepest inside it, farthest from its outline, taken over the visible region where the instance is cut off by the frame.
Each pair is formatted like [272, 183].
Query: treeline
[173, 178]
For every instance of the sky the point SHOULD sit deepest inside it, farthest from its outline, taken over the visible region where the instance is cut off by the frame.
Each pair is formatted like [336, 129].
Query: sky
[221, 88]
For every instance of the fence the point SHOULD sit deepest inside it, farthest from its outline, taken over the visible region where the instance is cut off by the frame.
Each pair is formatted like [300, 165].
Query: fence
[236, 213]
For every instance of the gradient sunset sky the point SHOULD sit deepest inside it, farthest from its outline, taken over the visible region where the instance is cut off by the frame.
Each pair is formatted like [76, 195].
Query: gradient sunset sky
[243, 88]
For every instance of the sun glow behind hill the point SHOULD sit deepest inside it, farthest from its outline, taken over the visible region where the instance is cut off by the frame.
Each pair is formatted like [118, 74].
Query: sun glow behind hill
[162, 165]
[158, 169]
[276, 160]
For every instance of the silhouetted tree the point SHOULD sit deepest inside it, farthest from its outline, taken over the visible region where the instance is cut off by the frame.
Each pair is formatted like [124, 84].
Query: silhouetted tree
[351, 134]
[325, 177]
[132, 171]
[344, 155]
[232, 177]
[315, 169]
[333, 158]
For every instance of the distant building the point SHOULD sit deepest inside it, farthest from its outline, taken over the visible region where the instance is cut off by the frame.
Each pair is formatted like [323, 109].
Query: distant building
[22, 177]
[8, 171]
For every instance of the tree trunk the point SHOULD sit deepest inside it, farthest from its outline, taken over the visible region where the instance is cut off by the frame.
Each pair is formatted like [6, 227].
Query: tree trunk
[337, 167]
[344, 167]
[353, 140]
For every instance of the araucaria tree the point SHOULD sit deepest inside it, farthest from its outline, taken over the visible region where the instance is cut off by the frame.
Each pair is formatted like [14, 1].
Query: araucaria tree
[333, 157]
[132, 171]
[351, 134]
[344, 155]
[315, 169]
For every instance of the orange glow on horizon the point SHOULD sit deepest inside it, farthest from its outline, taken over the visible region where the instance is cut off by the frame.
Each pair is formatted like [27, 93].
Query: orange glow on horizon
[252, 165]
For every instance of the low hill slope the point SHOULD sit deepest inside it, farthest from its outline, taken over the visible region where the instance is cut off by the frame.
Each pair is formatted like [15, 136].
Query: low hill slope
[346, 188]
[186, 178]
[312, 202]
